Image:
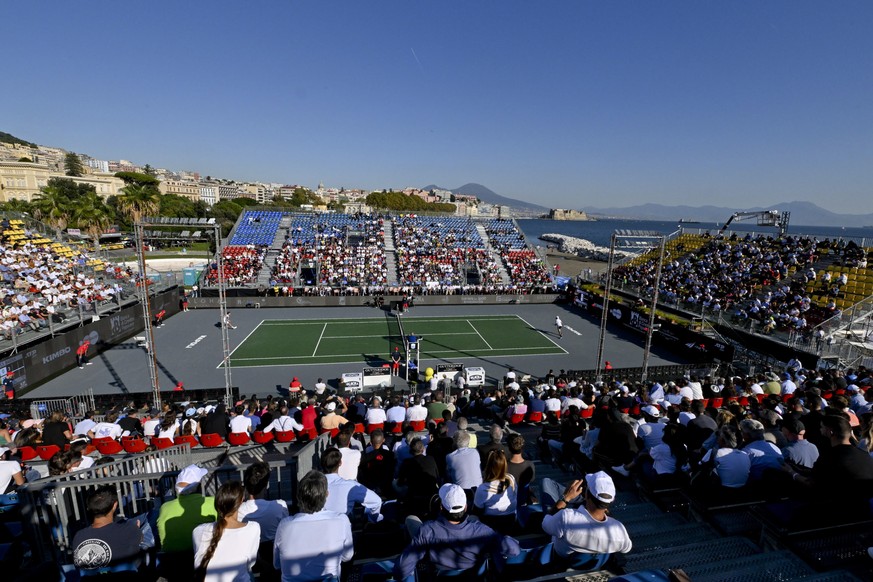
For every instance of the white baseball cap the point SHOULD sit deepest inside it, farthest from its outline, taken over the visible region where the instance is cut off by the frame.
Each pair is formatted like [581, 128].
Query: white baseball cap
[330, 406]
[189, 476]
[652, 411]
[601, 486]
[453, 498]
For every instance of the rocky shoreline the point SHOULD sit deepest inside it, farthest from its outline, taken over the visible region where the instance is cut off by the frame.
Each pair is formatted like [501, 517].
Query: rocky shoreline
[582, 248]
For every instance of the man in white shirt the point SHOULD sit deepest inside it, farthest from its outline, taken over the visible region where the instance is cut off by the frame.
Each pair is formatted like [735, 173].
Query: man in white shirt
[397, 412]
[312, 544]
[106, 429]
[588, 529]
[283, 423]
[376, 414]
[417, 412]
[85, 425]
[239, 422]
[788, 386]
[266, 513]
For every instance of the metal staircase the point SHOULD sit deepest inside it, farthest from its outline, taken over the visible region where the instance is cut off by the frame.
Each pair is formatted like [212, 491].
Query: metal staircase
[390, 253]
[505, 279]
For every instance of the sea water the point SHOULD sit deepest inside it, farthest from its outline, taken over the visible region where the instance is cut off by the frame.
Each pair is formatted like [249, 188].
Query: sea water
[600, 231]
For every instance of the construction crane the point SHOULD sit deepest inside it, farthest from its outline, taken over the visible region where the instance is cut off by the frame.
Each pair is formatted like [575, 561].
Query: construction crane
[765, 218]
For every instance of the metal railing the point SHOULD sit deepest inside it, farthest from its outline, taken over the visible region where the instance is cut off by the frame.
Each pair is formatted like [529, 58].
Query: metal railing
[652, 373]
[53, 509]
[73, 407]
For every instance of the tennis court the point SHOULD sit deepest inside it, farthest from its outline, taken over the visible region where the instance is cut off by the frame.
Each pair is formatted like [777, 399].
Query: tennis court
[280, 342]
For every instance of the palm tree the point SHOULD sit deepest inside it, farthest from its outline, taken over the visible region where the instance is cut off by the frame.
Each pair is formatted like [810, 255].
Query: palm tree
[138, 201]
[91, 214]
[53, 208]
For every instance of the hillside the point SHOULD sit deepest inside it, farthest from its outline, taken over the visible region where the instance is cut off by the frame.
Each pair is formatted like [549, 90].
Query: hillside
[487, 195]
[802, 213]
[9, 138]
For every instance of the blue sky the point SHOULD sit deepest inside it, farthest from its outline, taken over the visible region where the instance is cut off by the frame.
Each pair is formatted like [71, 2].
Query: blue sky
[568, 104]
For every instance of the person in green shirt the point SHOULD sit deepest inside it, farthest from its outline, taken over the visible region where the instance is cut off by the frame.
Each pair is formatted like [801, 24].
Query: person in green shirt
[178, 518]
[436, 407]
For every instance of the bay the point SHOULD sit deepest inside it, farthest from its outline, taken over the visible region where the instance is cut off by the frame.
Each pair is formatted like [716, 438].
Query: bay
[599, 232]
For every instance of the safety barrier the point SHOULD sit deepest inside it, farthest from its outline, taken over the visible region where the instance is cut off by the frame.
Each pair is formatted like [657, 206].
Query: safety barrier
[654, 373]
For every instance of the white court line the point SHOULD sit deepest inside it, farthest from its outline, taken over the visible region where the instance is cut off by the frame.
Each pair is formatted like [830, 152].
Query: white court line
[484, 353]
[422, 320]
[358, 361]
[221, 363]
[544, 335]
[318, 343]
[388, 335]
[480, 336]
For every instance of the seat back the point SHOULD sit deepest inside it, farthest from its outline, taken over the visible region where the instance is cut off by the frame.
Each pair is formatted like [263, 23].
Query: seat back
[262, 437]
[417, 425]
[132, 446]
[109, 447]
[238, 438]
[375, 426]
[46, 452]
[162, 442]
[516, 419]
[285, 436]
[187, 438]
[535, 416]
[211, 440]
[27, 453]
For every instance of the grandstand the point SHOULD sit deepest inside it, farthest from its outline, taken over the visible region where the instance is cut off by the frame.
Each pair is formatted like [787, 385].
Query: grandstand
[295, 253]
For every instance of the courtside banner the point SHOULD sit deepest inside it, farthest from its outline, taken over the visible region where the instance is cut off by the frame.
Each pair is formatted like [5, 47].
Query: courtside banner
[448, 371]
[38, 362]
[353, 381]
[475, 376]
[377, 377]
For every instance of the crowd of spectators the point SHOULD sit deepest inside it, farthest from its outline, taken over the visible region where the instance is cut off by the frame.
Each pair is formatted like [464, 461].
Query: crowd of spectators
[43, 281]
[346, 250]
[750, 278]
[525, 268]
[241, 265]
[416, 469]
[442, 252]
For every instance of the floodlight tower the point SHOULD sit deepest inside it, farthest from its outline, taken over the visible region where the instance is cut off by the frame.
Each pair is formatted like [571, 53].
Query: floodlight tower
[145, 301]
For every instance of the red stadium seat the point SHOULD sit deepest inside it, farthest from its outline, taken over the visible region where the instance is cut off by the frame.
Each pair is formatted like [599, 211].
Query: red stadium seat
[717, 402]
[188, 438]
[107, 446]
[211, 440]
[587, 412]
[285, 436]
[516, 419]
[262, 437]
[558, 414]
[760, 398]
[27, 453]
[133, 445]
[238, 438]
[534, 416]
[162, 442]
[417, 425]
[359, 428]
[331, 431]
[375, 426]
[308, 434]
[393, 427]
[744, 401]
[46, 452]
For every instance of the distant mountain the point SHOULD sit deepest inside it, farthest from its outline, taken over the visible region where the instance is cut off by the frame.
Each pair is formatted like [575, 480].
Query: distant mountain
[487, 195]
[802, 213]
[9, 138]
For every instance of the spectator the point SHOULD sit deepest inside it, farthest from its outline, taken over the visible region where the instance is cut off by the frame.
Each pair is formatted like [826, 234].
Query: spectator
[228, 548]
[497, 496]
[462, 465]
[452, 541]
[311, 544]
[418, 480]
[258, 508]
[589, 529]
[345, 493]
[106, 542]
[178, 517]
[10, 472]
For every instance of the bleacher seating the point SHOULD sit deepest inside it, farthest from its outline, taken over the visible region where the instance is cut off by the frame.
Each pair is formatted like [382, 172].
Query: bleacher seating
[256, 228]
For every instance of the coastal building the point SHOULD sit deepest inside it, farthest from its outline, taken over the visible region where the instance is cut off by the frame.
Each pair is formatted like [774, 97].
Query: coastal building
[209, 193]
[562, 214]
[186, 189]
[24, 180]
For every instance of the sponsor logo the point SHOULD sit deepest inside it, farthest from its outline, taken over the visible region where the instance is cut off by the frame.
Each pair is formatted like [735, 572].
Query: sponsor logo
[54, 356]
[616, 313]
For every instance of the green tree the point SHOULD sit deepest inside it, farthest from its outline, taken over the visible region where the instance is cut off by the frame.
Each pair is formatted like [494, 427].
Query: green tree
[148, 170]
[25, 159]
[226, 213]
[71, 189]
[138, 200]
[53, 207]
[91, 214]
[179, 206]
[138, 178]
[73, 165]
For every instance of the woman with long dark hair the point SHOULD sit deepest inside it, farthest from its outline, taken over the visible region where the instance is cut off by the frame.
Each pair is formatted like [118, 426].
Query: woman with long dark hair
[497, 497]
[226, 550]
